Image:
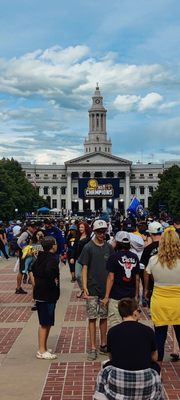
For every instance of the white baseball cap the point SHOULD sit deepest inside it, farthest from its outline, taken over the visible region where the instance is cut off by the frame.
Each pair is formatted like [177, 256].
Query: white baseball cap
[99, 224]
[122, 236]
[155, 228]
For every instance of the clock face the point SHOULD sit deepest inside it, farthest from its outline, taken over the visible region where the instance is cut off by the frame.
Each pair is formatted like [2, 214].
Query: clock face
[97, 101]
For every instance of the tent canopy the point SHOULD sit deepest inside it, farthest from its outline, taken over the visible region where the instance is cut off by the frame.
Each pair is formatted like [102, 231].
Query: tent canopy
[43, 209]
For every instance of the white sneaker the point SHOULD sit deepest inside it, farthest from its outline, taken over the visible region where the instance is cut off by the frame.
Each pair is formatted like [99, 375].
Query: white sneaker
[46, 355]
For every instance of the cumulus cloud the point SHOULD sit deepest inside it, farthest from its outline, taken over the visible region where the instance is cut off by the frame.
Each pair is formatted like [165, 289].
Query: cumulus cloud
[48, 92]
[56, 73]
[126, 103]
[150, 101]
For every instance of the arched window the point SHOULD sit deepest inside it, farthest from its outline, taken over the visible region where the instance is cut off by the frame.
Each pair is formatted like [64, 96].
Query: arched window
[86, 174]
[98, 174]
[75, 175]
[110, 174]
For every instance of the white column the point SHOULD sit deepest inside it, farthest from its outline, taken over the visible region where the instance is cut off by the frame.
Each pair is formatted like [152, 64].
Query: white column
[59, 198]
[116, 203]
[69, 205]
[104, 204]
[80, 205]
[50, 195]
[127, 187]
[146, 197]
[92, 205]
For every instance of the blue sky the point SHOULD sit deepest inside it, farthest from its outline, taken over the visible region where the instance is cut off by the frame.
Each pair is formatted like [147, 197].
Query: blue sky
[53, 53]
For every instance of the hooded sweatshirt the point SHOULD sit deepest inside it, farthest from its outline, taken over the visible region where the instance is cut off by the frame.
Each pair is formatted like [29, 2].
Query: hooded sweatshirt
[46, 276]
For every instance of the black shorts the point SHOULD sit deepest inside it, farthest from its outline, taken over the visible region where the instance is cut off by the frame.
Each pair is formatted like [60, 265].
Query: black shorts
[46, 313]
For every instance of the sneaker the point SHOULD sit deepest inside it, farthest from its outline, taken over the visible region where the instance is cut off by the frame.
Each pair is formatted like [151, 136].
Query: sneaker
[20, 291]
[103, 349]
[92, 355]
[46, 355]
[34, 308]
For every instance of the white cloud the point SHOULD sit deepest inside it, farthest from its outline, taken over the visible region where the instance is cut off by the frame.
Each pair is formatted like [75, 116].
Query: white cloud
[126, 102]
[150, 101]
[58, 74]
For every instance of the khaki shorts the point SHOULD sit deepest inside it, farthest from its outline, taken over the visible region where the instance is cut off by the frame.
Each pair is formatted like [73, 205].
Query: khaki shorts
[114, 317]
[95, 308]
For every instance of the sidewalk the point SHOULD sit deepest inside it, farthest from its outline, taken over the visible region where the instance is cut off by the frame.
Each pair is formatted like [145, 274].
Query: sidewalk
[71, 376]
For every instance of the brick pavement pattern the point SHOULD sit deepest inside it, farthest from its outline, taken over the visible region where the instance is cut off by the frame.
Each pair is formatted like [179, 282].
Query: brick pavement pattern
[71, 376]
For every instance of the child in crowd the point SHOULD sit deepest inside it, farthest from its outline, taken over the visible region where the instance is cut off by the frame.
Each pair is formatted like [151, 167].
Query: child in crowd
[46, 293]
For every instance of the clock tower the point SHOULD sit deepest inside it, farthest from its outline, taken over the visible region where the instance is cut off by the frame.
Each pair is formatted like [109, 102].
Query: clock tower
[97, 137]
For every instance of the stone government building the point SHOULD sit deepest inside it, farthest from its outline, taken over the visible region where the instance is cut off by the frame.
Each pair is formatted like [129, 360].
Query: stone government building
[97, 179]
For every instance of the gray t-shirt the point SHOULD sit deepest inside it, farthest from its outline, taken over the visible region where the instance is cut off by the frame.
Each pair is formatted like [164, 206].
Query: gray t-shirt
[95, 257]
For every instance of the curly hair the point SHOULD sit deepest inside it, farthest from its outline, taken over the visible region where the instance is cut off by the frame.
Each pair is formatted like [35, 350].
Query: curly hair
[86, 226]
[169, 248]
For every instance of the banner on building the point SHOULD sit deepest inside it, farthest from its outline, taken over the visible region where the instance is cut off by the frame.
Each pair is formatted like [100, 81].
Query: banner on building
[99, 188]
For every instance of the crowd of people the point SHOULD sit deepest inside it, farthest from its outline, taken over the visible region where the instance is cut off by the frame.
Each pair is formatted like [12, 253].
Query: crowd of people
[119, 267]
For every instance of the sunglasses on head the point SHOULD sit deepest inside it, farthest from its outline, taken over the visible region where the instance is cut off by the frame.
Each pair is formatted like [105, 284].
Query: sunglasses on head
[101, 230]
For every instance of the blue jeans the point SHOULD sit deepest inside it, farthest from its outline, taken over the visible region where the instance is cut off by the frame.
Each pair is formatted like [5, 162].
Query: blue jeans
[78, 274]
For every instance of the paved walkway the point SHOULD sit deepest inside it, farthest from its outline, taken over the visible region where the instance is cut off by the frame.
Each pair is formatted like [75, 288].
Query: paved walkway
[71, 376]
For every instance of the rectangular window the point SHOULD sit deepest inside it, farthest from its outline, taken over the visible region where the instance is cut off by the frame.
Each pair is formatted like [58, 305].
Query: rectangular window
[63, 190]
[54, 190]
[132, 176]
[150, 175]
[37, 175]
[46, 189]
[63, 203]
[151, 189]
[54, 203]
[29, 175]
[121, 189]
[142, 202]
[141, 189]
[133, 190]
[141, 176]
[54, 176]
[74, 190]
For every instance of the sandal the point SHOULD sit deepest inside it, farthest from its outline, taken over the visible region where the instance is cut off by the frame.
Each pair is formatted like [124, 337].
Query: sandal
[46, 355]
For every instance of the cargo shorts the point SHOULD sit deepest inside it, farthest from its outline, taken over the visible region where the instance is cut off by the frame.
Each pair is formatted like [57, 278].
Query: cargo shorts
[95, 308]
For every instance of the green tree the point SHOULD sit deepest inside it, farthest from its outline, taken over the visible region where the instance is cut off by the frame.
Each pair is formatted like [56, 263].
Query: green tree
[167, 195]
[15, 191]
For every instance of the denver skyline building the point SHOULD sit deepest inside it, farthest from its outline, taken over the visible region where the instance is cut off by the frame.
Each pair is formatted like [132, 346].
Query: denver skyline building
[97, 179]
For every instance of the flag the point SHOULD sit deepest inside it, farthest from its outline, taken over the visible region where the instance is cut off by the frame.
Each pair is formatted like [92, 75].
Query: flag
[136, 208]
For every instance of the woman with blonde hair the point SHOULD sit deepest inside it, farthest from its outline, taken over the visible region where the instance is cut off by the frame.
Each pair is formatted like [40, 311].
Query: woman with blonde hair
[165, 301]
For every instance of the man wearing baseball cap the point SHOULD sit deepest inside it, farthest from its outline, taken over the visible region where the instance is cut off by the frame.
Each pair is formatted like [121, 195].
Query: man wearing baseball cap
[93, 258]
[155, 229]
[123, 276]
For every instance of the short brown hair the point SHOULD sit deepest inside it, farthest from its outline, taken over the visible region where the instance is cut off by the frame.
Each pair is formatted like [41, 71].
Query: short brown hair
[127, 306]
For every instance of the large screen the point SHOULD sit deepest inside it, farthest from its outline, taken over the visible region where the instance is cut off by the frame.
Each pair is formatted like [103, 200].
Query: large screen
[99, 188]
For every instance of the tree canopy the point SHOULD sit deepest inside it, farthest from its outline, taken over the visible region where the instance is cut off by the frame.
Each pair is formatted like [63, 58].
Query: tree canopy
[16, 193]
[167, 195]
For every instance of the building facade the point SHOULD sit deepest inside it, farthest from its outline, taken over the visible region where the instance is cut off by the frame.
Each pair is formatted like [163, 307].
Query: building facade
[97, 179]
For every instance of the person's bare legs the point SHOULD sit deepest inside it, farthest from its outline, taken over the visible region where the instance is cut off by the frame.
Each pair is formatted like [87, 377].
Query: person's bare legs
[43, 333]
[103, 331]
[19, 280]
[92, 333]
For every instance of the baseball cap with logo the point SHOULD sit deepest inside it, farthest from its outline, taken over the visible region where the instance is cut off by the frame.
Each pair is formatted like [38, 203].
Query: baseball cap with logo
[99, 224]
[155, 228]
